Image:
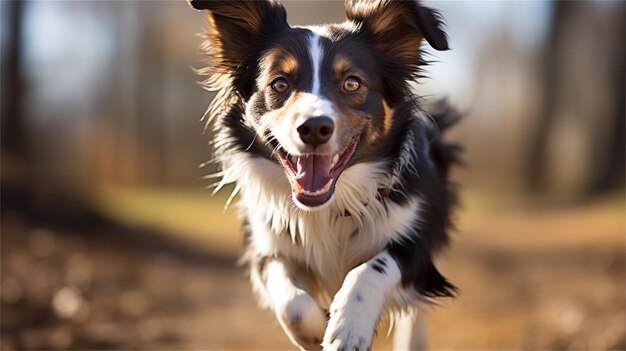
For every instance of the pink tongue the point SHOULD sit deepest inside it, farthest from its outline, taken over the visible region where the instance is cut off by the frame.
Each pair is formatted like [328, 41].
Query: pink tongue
[313, 171]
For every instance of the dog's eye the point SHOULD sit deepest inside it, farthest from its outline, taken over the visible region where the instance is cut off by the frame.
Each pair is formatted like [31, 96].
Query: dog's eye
[280, 85]
[351, 84]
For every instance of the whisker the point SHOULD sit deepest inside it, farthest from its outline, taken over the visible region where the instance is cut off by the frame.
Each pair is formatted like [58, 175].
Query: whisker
[252, 142]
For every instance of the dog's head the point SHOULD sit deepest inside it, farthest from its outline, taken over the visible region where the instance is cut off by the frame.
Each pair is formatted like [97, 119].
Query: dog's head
[323, 97]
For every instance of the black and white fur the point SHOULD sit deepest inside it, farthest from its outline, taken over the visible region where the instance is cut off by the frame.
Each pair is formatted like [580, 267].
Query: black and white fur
[331, 272]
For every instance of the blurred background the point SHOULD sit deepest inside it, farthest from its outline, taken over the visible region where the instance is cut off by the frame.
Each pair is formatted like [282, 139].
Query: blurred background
[110, 239]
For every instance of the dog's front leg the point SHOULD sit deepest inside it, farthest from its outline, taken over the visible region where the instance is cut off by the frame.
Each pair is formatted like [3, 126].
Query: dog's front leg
[298, 313]
[356, 308]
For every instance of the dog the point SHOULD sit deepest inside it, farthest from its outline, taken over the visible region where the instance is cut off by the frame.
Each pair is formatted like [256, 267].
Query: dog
[342, 176]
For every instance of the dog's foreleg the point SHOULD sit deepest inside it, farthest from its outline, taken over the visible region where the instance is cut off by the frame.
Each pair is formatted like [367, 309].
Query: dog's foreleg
[356, 308]
[298, 313]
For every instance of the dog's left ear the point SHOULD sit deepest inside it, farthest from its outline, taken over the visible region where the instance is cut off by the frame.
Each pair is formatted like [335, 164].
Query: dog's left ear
[397, 27]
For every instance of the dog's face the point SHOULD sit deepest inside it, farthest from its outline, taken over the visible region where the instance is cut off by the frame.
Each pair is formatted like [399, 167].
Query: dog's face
[323, 97]
[318, 101]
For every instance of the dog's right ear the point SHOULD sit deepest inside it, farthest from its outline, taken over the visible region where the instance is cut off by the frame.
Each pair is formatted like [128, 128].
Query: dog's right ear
[236, 28]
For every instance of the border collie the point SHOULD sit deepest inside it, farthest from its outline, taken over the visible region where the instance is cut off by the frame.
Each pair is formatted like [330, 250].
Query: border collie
[341, 175]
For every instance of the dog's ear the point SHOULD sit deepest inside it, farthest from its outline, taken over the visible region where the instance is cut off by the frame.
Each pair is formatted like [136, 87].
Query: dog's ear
[397, 27]
[236, 28]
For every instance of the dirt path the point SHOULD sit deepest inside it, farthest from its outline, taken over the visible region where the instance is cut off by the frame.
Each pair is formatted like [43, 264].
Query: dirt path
[64, 289]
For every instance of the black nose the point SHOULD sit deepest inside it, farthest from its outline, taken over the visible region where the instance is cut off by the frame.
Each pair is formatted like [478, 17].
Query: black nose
[316, 131]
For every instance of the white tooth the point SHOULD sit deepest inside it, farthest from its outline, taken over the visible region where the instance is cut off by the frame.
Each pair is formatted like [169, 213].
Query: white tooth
[335, 159]
[326, 187]
[323, 190]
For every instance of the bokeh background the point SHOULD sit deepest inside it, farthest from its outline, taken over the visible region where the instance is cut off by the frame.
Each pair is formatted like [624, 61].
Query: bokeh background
[111, 239]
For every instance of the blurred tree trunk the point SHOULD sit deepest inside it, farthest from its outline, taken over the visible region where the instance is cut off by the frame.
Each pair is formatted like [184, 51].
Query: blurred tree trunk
[537, 165]
[12, 83]
[20, 191]
[601, 114]
[610, 173]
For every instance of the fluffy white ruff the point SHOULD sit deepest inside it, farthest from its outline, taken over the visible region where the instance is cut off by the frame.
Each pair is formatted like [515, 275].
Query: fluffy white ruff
[322, 239]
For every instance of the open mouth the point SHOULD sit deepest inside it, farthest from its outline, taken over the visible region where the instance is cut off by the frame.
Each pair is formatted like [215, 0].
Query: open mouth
[313, 177]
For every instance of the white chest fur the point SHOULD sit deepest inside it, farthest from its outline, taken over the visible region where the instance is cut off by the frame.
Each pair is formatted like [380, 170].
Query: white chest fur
[326, 240]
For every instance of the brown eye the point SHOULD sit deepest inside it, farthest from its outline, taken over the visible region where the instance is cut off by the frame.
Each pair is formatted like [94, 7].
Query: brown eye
[351, 84]
[280, 85]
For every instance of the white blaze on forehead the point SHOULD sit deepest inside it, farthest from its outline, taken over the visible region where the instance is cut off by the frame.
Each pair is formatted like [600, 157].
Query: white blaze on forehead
[307, 104]
[322, 31]
[316, 53]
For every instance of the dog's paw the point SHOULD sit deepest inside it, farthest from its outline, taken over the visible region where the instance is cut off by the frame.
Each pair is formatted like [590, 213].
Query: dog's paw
[303, 321]
[346, 339]
[354, 314]
[352, 324]
[350, 330]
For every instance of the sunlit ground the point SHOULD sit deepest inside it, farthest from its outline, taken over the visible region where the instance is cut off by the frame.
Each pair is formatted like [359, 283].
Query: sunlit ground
[193, 216]
[531, 277]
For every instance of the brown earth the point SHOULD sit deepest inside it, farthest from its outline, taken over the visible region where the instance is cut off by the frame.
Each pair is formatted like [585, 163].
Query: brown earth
[549, 278]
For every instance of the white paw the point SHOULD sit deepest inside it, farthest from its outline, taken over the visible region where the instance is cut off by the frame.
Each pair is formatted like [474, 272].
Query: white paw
[349, 340]
[303, 320]
[353, 320]
[355, 311]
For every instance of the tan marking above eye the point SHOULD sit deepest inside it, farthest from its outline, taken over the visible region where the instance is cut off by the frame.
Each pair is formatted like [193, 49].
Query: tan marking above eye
[280, 85]
[352, 84]
[388, 117]
[341, 65]
[289, 64]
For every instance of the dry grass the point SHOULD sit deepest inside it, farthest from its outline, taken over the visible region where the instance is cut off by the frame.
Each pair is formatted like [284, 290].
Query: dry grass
[193, 216]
